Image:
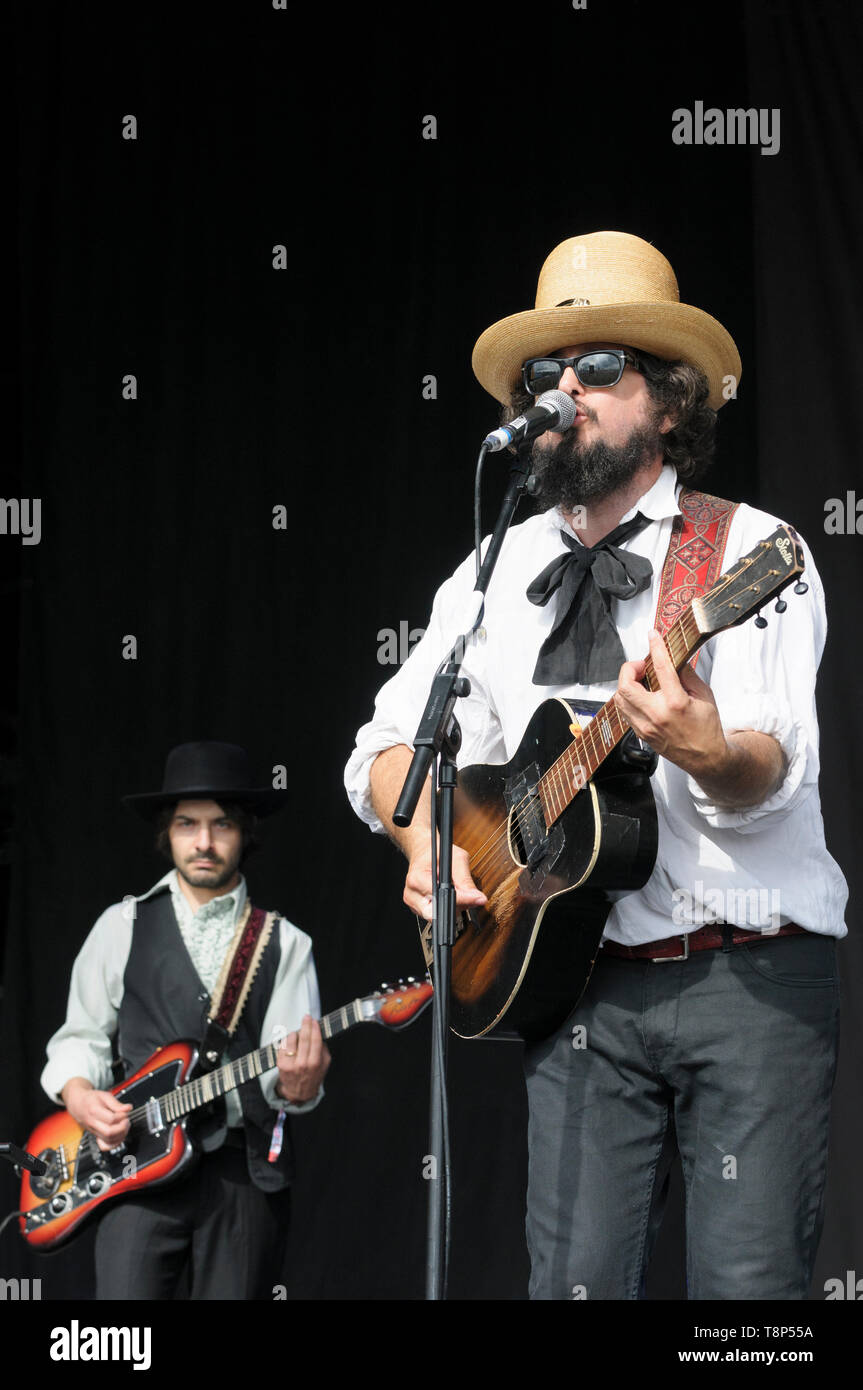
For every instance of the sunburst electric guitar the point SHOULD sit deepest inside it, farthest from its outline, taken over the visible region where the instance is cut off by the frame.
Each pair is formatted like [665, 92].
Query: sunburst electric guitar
[567, 822]
[81, 1177]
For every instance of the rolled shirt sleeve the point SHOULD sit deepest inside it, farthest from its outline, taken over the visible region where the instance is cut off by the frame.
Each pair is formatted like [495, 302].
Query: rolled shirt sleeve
[764, 679]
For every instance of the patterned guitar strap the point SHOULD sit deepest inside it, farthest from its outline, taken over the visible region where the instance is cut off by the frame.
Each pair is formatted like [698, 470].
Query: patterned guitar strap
[242, 959]
[695, 554]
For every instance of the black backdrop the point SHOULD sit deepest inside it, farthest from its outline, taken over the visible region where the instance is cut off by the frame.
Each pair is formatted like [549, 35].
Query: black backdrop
[303, 387]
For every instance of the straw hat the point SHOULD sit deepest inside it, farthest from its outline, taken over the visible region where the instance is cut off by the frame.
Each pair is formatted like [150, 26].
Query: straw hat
[606, 287]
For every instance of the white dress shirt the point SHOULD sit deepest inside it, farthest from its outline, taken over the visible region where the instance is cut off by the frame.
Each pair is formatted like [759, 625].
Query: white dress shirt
[757, 867]
[82, 1046]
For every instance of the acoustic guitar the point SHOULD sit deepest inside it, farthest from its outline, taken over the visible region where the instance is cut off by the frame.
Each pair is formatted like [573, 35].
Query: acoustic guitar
[569, 824]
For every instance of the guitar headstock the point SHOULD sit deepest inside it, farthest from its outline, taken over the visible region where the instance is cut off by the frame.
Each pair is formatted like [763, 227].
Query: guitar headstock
[397, 1005]
[753, 581]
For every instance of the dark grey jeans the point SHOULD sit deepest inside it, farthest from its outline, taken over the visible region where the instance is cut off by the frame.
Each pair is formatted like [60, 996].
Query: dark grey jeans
[730, 1054]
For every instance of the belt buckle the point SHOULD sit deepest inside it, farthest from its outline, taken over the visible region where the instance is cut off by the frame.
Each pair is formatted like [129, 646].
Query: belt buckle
[666, 960]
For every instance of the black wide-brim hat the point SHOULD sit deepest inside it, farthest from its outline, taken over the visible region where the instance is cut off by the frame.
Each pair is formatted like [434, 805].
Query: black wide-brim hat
[207, 772]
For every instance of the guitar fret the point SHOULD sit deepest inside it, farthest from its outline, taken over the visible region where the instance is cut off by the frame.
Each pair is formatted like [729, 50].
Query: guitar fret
[550, 788]
[546, 789]
[593, 760]
[543, 800]
[557, 792]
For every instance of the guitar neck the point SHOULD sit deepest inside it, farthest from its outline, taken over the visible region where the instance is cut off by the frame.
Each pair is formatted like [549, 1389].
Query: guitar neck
[591, 746]
[203, 1089]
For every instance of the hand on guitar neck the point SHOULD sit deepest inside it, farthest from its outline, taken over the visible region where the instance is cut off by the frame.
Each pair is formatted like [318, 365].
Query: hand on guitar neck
[387, 777]
[303, 1061]
[98, 1111]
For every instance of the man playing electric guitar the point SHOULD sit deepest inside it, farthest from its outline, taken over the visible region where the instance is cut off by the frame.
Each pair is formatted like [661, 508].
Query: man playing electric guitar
[151, 971]
[709, 1023]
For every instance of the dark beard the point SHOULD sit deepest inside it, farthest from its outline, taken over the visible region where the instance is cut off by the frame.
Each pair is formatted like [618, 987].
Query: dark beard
[190, 874]
[570, 476]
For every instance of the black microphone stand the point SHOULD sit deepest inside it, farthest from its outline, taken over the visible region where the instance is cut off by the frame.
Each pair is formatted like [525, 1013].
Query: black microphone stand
[438, 740]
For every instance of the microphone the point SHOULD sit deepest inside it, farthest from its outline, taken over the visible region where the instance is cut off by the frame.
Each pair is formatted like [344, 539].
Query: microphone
[554, 410]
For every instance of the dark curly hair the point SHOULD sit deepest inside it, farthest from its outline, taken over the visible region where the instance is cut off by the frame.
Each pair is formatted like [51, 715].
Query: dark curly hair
[246, 820]
[677, 389]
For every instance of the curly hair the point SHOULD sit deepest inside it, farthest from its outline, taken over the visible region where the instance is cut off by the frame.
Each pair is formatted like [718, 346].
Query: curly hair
[677, 389]
[246, 820]
[680, 390]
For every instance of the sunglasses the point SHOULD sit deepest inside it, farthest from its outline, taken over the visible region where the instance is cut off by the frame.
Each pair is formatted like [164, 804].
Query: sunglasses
[602, 368]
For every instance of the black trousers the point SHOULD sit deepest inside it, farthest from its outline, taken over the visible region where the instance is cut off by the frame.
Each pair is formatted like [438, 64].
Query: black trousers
[212, 1235]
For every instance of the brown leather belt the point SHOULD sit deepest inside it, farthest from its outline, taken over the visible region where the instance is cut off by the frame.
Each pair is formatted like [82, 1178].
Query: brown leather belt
[704, 939]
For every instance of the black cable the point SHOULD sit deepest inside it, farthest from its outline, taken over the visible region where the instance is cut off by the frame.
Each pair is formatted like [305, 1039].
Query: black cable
[477, 507]
[11, 1217]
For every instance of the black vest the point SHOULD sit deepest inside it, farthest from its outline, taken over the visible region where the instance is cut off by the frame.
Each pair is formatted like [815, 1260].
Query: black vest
[164, 1000]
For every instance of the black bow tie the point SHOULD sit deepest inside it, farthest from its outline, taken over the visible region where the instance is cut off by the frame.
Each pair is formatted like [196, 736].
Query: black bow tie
[583, 646]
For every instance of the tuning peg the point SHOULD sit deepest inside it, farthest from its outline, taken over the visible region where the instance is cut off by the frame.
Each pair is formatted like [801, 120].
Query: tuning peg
[800, 587]
[760, 621]
[781, 606]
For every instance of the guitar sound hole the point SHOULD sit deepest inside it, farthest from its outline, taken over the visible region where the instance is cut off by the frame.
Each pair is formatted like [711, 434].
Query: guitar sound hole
[516, 839]
[528, 832]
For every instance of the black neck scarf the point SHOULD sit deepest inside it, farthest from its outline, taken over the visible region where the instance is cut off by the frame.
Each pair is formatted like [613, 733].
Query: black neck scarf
[583, 646]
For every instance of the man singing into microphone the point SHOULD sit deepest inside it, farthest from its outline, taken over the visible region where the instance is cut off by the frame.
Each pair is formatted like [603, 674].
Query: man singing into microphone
[707, 1029]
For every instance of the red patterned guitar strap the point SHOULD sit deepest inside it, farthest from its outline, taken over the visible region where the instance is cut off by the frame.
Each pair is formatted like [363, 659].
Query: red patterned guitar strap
[235, 981]
[695, 553]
